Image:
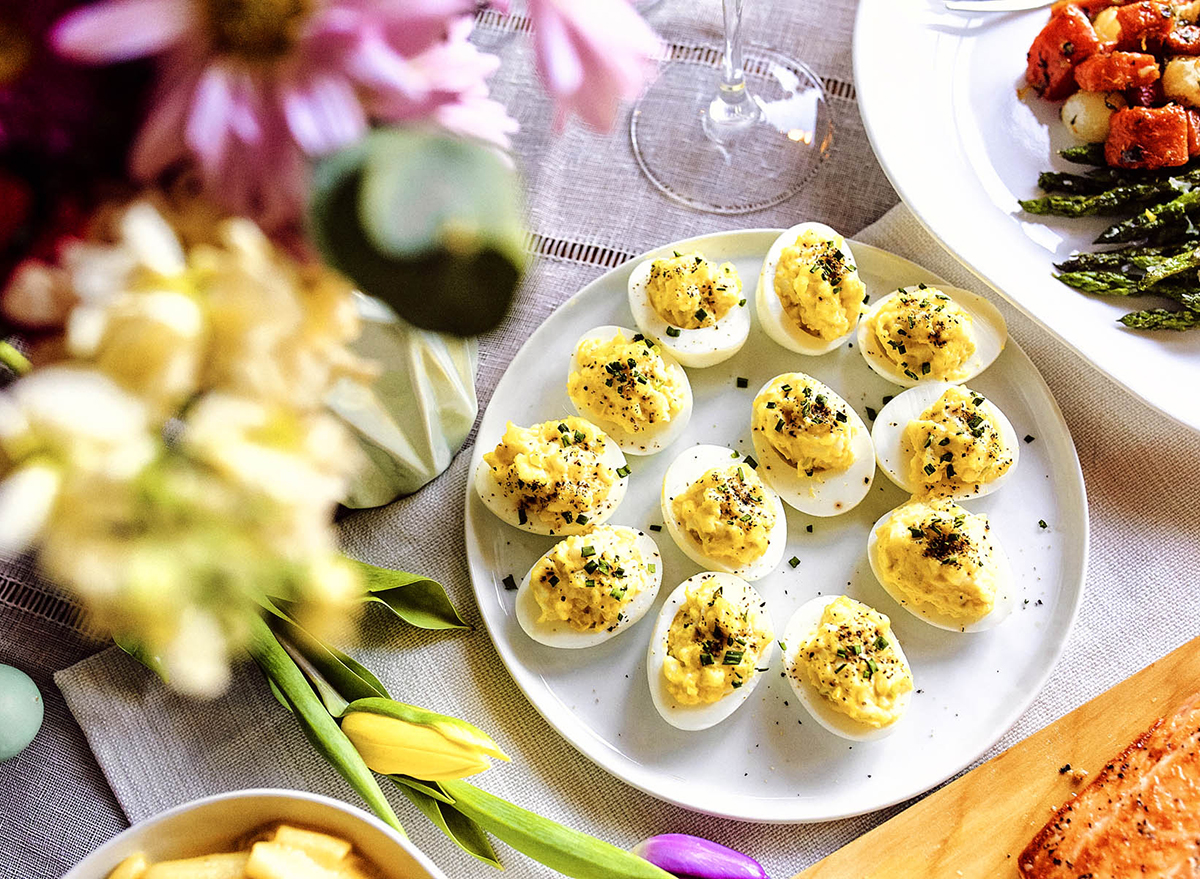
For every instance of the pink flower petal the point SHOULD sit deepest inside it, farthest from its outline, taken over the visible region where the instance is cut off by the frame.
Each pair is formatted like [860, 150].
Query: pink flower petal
[323, 114]
[207, 131]
[561, 70]
[118, 30]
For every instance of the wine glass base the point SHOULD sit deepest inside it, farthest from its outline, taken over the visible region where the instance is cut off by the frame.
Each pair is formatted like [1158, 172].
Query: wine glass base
[726, 170]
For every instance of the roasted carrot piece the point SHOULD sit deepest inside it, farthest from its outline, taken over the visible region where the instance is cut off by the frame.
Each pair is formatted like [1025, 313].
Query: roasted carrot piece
[1067, 39]
[1183, 39]
[1193, 122]
[1114, 71]
[1144, 25]
[1148, 137]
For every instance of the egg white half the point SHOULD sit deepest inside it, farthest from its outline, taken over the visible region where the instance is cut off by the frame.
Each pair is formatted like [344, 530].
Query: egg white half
[557, 633]
[775, 321]
[698, 348]
[507, 507]
[692, 464]
[1006, 590]
[988, 329]
[656, 437]
[695, 717]
[830, 492]
[887, 435]
[800, 628]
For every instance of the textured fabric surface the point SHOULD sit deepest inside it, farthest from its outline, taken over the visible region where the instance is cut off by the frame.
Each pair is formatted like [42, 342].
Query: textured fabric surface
[588, 208]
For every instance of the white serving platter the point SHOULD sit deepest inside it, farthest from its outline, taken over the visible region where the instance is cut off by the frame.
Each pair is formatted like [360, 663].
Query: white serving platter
[939, 96]
[770, 761]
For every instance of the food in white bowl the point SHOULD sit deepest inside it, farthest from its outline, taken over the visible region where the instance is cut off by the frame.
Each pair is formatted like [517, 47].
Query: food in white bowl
[711, 637]
[221, 823]
[809, 296]
[556, 477]
[631, 387]
[847, 668]
[922, 333]
[720, 513]
[812, 447]
[589, 587]
[943, 564]
[691, 306]
[945, 440]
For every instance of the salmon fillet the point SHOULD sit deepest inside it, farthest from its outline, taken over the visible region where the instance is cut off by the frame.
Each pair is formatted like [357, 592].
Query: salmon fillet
[1139, 818]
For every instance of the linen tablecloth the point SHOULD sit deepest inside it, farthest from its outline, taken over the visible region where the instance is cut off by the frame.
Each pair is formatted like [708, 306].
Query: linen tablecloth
[588, 209]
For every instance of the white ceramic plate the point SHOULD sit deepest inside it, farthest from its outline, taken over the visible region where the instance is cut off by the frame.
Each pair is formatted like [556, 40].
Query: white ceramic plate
[770, 761]
[938, 95]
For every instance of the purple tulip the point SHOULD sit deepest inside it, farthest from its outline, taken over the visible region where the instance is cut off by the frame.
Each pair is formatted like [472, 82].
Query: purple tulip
[690, 857]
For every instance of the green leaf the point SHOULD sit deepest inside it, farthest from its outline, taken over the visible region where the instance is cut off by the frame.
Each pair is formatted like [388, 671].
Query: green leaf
[461, 830]
[427, 222]
[318, 725]
[138, 651]
[279, 697]
[14, 359]
[417, 600]
[429, 788]
[346, 676]
[568, 851]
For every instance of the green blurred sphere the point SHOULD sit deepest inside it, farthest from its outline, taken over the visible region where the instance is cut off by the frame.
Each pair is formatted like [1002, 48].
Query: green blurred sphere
[21, 711]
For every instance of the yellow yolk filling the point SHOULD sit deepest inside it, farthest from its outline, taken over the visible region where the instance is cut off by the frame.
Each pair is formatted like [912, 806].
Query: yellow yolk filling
[851, 662]
[939, 556]
[713, 644]
[726, 512]
[805, 424]
[690, 292]
[553, 470]
[588, 579]
[819, 290]
[625, 382]
[955, 445]
[925, 334]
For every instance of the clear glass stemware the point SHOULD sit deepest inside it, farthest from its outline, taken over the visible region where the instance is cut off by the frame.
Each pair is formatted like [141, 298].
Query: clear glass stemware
[746, 138]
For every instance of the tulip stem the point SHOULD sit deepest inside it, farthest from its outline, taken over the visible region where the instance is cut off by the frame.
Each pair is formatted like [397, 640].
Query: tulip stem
[14, 359]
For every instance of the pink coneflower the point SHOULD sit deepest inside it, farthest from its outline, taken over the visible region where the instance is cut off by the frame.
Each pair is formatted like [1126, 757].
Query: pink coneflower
[250, 90]
[591, 55]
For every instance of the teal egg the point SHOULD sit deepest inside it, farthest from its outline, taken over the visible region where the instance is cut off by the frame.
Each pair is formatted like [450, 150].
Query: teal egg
[21, 711]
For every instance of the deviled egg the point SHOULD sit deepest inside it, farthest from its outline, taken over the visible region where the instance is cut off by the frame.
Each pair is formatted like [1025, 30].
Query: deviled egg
[809, 294]
[589, 587]
[812, 447]
[944, 440]
[692, 307]
[633, 389]
[846, 667]
[711, 637]
[942, 564]
[557, 477]
[923, 333]
[721, 515]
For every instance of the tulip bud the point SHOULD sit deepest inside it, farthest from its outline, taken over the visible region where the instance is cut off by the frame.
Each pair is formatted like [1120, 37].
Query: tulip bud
[398, 739]
[690, 857]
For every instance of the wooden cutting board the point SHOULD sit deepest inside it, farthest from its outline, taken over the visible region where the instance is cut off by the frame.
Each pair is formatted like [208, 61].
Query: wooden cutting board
[976, 827]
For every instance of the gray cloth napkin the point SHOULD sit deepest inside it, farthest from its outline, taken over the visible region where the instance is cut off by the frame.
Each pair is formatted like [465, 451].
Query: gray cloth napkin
[157, 749]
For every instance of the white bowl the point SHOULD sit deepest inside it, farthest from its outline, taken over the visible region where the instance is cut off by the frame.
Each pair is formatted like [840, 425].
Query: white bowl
[215, 823]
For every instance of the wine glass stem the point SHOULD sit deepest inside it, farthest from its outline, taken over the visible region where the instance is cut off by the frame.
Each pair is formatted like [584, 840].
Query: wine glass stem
[733, 109]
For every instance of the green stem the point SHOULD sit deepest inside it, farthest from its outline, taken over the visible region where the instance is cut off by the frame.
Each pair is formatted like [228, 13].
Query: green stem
[14, 359]
[319, 727]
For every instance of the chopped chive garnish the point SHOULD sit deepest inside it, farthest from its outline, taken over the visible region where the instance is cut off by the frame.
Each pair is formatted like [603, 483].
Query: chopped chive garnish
[793, 561]
[1028, 438]
[917, 533]
[591, 567]
[782, 646]
[929, 468]
[701, 314]
[581, 519]
[741, 302]
[732, 657]
[736, 684]
[924, 369]
[676, 252]
[651, 567]
[872, 414]
[673, 332]
[743, 382]
[839, 668]
[856, 649]
[618, 592]
[521, 517]
[1042, 523]
[568, 516]
[589, 583]
[841, 416]
[752, 462]
[871, 669]
[587, 551]
[779, 425]
[580, 436]
[509, 583]
[771, 404]
[553, 581]
[622, 472]
[881, 643]
[656, 527]
[706, 659]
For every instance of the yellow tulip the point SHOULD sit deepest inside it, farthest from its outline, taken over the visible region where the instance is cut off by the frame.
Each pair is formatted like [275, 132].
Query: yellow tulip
[398, 739]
